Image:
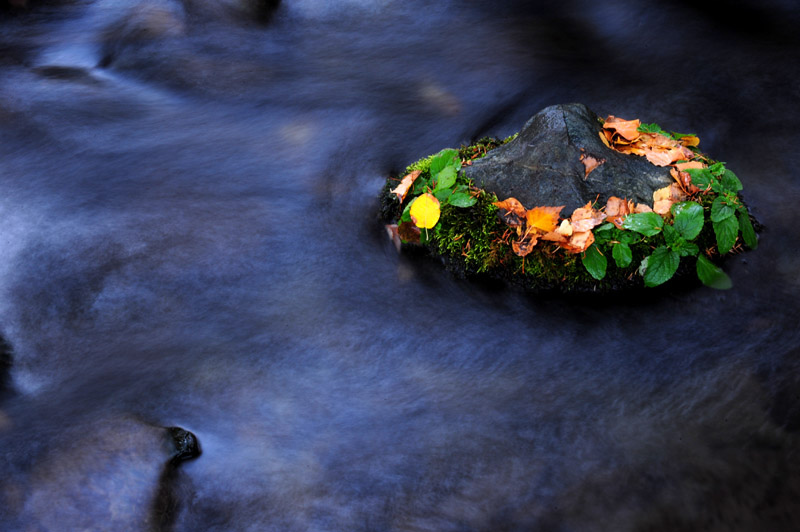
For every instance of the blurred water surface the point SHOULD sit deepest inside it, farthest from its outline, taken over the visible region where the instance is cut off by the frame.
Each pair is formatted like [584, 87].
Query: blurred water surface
[189, 237]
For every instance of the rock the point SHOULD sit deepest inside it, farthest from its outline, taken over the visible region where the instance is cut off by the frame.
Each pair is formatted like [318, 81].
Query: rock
[542, 166]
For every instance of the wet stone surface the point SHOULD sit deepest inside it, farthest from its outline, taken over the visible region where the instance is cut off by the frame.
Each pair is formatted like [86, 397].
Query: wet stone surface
[542, 166]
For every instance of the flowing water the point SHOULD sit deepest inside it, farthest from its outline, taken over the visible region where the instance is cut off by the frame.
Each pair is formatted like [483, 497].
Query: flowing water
[189, 237]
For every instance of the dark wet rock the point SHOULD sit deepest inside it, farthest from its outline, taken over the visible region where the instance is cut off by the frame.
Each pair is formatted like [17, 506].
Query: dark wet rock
[542, 166]
[186, 444]
[5, 368]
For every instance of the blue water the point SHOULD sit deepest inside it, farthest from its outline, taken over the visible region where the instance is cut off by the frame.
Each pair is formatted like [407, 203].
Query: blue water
[189, 237]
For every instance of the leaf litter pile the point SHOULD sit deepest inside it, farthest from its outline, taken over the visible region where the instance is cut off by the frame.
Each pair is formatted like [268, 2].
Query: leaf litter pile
[477, 233]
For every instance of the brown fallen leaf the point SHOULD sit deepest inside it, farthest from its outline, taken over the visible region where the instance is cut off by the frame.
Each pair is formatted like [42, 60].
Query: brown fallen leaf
[402, 189]
[590, 163]
[689, 140]
[586, 218]
[641, 207]
[511, 212]
[617, 209]
[394, 236]
[409, 232]
[525, 246]
[628, 129]
[682, 167]
[664, 157]
[579, 242]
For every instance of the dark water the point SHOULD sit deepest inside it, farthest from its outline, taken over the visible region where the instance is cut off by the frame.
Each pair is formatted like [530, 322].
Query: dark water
[188, 237]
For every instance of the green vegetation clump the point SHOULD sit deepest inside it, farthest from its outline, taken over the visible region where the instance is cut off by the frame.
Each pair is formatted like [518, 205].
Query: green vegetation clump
[647, 250]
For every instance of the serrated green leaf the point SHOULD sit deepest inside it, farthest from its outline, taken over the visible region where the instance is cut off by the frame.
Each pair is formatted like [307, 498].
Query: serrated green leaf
[711, 275]
[726, 231]
[461, 199]
[646, 223]
[701, 177]
[605, 227]
[652, 128]
[730, 182]
[686, 249]
[622, 255]
[717, 168]
[748, 232]
[446, 178]
[443, 159]
[688, 219]
[671, 236]
[442, 194]
[594, 262]
[661, 266]
[626, 237]
[720, 210]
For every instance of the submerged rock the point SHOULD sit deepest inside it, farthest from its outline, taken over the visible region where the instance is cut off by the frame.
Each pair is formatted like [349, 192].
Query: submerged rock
[543, 166]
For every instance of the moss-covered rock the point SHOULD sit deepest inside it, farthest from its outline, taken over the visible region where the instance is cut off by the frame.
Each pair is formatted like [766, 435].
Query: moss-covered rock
[476, 243]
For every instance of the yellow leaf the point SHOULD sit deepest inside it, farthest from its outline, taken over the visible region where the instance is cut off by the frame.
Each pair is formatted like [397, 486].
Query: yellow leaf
[545, 219]
[425, 211]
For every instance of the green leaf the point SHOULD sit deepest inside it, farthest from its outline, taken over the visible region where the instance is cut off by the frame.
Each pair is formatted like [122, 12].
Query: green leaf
[406, 216]
[661, 266]
[671, 236]
[717, 168]
[652, 128]
[748, 233]
[443, 159]
[701, 177]
[730, 182]
[721, 210]
[688, 216]
[646, 223]
[726, 231]
[622, 255]
[686, 249]
[446, 178]
[595, 263]
[605, 227]
[626, 237]
[711, 275]
[461, 199]
[442, 194]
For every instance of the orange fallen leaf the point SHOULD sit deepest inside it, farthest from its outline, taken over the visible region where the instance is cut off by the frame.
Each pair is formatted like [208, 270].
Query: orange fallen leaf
[688, 165]
[629, 129]
[579, 242]
[641, 207]
[689, 140]
[617, 209]
[402, 189]
[554, 236]
[590, 163]
[544, 219]
[664, 157]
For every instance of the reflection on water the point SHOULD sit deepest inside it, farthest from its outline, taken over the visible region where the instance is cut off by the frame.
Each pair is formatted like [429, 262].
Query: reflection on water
[189, 238]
